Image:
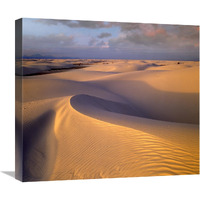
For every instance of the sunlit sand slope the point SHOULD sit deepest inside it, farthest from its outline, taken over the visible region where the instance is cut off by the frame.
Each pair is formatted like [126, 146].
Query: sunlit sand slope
[114, 118]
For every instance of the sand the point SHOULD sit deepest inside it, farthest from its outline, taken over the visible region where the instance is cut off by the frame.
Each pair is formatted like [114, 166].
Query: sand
[110, 118]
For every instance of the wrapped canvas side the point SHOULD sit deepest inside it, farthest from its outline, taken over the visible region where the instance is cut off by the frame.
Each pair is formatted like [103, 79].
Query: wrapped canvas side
[18, 102]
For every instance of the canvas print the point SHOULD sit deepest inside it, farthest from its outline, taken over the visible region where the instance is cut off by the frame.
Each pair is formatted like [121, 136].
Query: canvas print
[106, 99]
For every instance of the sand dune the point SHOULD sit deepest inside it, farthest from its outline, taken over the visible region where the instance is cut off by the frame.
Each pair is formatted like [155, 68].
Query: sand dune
[114, 118]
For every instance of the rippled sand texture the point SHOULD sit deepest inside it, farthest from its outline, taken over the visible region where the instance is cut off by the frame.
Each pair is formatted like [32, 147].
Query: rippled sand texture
[112, 118]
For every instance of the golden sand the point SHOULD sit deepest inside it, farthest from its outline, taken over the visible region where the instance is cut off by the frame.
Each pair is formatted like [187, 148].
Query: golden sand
[115, 118]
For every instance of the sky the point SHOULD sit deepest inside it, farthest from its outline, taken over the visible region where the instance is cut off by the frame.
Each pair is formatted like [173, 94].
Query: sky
[109, 40]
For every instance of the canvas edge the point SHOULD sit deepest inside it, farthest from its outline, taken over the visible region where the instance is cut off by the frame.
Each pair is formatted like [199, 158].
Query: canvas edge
[18, 103]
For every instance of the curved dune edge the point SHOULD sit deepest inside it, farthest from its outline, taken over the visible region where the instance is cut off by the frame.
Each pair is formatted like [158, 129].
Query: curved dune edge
[106, 150]
[125, 115]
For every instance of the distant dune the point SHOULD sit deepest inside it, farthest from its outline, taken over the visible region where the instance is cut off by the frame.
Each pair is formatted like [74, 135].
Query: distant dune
[109, 118]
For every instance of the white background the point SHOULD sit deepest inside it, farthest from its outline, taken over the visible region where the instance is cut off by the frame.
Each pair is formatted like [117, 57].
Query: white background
[150, 11]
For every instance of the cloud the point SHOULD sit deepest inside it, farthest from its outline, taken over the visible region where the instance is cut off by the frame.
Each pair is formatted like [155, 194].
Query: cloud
[103, 45]
[63, 45]
[49, 43]
[91, 24]
[128, 26]
[49, 40]
[77, 24]
[164, 36]
[104, 35]
[133, 38]
[93, 42]
[188, 33]
[159, 41]
[144, 34]
[98, 43]
[148, 30]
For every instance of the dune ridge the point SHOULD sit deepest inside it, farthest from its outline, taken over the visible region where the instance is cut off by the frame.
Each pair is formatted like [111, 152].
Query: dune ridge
[114, 118]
